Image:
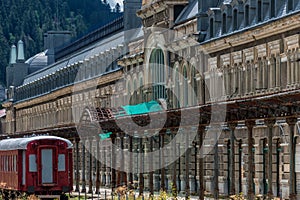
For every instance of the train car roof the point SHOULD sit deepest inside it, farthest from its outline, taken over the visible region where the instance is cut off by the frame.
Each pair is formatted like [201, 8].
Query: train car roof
[21, 143]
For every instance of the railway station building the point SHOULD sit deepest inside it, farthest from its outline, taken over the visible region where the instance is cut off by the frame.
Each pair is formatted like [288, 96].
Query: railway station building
[223, 76]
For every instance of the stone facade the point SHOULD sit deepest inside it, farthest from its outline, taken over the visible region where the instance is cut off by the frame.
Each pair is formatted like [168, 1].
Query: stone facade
[218, 51]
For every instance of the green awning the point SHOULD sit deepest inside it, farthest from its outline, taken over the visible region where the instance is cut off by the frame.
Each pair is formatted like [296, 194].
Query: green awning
[142, 108]
[104, 136]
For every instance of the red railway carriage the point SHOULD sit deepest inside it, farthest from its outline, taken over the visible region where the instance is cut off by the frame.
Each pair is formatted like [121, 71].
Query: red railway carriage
[40, 165]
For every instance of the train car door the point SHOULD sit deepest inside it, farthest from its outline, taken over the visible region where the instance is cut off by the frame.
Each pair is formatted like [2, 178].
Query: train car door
[46, 170]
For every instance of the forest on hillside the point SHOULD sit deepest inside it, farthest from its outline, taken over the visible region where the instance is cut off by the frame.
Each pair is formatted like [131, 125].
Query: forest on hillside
[28, 20]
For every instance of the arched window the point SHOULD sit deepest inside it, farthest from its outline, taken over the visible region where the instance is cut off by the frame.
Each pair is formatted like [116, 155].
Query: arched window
[224, 23]
[185, 88]
[247, 11]
[259, 13]
[157, 73]
[235, 20]
[211, 27]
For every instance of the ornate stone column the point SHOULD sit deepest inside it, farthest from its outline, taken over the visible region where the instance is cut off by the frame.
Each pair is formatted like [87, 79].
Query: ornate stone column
[292, 180]
[77, 164]
[201, 131]
[187, 165]
[83, 167]
[216, 168]
[141, 177]
[90, 166]
[113, 162]
[270, 123]
[151, 187]
[98, 166]
[174, 176]
[231, 189]
[162, 171]
[130, 175]
[250, 193]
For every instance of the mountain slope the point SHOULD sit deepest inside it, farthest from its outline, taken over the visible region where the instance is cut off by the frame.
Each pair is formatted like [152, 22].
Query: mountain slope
[29, 20]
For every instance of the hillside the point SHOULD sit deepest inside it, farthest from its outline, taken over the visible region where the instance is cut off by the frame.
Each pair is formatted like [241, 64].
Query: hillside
[28, 20]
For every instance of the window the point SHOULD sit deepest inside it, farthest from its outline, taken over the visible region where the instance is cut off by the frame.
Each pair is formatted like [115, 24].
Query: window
[273, 9]
[224, 24]
[61, 162]
[32, 163]
[290, 5]
[259, 13]
[235, 20]
[247, 12]
[211, 27]
[157, 69]
[185, 87]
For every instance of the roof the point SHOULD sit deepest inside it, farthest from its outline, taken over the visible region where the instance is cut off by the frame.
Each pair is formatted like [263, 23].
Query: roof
[98, 47]
[190, 11]
[39, 59]
[21, 143]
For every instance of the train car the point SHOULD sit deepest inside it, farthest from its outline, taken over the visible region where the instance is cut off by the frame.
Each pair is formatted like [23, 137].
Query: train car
[40, 165]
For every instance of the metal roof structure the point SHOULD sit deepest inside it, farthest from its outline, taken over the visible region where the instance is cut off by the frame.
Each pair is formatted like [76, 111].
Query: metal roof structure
[21, 143]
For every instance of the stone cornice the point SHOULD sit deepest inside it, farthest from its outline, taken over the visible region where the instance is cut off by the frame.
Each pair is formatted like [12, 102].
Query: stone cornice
[261, 32]
[156, 6]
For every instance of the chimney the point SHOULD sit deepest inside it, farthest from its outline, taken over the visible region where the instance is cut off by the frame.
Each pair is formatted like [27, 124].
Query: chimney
[13, 55]
[21, 56]
[131, 20]
[54, 40]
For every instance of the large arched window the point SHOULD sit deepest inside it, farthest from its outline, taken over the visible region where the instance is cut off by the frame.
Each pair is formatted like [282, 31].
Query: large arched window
[157, 73]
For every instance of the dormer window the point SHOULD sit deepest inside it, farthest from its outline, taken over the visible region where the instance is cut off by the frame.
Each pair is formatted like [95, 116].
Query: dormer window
[259, 13]
[290, 5]
[247, 12]
[235, 20]
[224, 23]
[211, 27]
[273, 13]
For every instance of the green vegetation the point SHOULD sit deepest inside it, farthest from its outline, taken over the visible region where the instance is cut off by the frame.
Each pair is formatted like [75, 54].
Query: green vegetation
[29, 20]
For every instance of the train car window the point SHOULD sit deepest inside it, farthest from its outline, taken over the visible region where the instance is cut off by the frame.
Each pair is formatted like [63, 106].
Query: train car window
[61, 162]
[32, 163]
